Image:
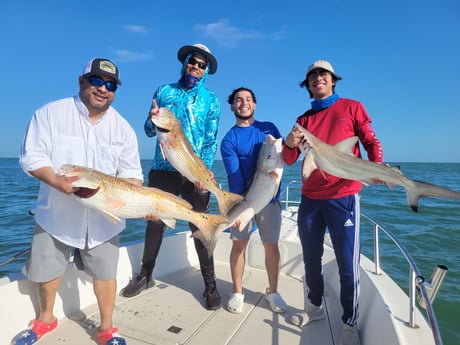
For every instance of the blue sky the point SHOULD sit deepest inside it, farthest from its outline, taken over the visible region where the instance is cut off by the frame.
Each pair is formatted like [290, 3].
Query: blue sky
[399, 58]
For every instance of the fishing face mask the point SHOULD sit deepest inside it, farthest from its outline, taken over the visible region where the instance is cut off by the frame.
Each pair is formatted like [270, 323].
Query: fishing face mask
[187, 81]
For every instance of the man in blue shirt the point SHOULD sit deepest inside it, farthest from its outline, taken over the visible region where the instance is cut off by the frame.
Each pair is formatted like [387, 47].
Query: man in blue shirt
[240, 149]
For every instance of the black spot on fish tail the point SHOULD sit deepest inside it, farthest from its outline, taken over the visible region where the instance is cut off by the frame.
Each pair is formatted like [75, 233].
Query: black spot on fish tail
[85, 193]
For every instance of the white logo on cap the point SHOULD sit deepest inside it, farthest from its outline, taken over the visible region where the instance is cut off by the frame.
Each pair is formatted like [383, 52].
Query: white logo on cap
[107, 66]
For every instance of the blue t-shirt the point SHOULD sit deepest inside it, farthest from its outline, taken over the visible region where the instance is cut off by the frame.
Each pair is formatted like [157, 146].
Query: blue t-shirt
[240, 149]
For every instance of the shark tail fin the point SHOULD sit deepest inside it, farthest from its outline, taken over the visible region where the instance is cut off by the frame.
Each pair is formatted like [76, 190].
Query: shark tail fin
[422, 189]
[412, 199]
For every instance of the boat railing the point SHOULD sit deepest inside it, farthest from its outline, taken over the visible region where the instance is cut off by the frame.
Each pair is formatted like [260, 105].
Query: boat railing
[417, 282]
[15, 257]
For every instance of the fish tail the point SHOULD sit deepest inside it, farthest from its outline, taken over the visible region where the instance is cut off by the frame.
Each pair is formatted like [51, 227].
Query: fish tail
[210, 227]
[209, 243]
[227, 200]
[412, 199]
[221, 227]
[421, 188]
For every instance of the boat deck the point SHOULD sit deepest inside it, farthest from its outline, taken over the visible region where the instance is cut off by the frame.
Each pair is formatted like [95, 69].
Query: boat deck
[172, 312]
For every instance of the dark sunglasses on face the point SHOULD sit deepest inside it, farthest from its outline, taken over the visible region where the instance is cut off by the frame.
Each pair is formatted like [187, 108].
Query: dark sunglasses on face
[315, 74]
[201, 65]
[98, 82]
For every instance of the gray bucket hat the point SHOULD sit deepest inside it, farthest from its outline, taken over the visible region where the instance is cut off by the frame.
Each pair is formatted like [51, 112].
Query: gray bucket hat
[199, 49]
[324, 65]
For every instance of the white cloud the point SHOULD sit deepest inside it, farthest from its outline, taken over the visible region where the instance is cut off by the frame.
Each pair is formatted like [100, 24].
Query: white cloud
[128, 55]
[225, 34]
[137, 29]
[281, 34]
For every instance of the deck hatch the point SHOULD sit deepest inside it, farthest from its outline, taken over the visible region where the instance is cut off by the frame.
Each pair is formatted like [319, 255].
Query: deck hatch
[174, 329]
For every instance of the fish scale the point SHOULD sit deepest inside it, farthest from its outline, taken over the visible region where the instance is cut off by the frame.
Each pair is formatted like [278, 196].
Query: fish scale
[177, 150]
[118, 198]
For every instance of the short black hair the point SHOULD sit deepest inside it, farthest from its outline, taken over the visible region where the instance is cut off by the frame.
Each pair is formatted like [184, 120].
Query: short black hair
[231, 98]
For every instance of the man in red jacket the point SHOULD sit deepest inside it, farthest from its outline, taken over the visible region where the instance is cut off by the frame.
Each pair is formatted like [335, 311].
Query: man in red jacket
[329, 201]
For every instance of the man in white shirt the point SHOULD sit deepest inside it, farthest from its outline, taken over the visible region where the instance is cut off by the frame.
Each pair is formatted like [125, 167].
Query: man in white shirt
[83, 130]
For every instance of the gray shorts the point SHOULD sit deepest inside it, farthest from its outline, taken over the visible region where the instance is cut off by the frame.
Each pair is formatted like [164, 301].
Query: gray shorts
[49, 258]
[268, 221]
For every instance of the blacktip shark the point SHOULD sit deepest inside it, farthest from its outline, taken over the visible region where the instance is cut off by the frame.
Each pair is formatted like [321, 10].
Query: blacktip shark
[339, 161]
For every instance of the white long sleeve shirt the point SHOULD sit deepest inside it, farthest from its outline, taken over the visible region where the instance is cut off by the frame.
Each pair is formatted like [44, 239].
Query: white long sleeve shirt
[60, 133]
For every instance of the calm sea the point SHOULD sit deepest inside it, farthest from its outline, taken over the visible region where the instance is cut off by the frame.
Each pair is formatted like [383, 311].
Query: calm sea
[432, 235]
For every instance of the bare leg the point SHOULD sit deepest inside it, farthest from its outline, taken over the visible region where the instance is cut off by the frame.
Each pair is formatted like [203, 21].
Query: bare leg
[272, 264]
[237, 262]
[47, 296]
[105, 291]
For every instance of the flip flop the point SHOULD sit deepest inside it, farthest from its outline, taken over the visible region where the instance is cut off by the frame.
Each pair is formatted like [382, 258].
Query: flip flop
[32, 334]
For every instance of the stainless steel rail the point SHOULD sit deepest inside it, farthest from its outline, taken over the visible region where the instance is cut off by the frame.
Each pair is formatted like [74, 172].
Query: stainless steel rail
[14, 257]
[416, 280]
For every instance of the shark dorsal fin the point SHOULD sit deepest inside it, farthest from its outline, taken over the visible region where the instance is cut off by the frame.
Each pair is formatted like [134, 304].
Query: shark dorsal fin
[346, 145]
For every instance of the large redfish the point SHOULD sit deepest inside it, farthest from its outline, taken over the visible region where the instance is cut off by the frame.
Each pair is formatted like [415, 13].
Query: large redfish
[118, 198]
[264, 187]
[177, 150]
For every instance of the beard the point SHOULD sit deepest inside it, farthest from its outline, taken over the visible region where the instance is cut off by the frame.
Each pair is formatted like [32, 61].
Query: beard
[244, 117]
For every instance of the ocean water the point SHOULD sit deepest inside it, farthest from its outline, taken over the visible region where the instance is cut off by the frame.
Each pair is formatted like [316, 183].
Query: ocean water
[432, 236]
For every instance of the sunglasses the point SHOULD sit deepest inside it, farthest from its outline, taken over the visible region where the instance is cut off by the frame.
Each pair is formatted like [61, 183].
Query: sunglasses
[201, 65]
[98, 82]
[321, 73]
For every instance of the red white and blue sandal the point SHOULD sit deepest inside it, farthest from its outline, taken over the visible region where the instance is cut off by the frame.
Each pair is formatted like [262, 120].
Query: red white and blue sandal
[32, 334]
[109, 337]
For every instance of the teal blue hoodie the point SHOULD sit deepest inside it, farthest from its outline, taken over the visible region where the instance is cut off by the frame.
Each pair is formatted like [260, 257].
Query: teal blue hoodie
[198, 111]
